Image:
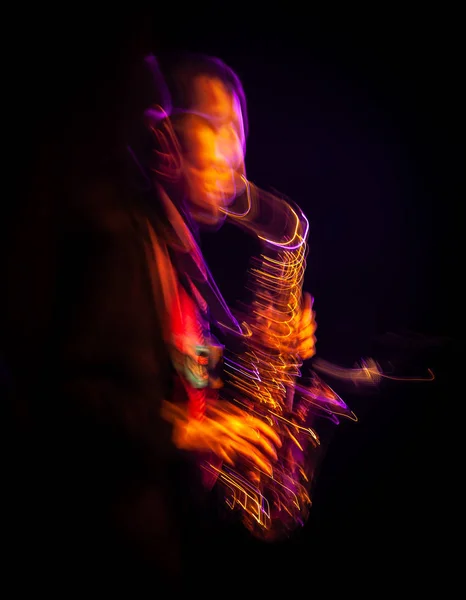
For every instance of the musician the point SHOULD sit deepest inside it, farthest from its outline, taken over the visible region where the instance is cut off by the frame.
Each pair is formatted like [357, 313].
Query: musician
[109, 393]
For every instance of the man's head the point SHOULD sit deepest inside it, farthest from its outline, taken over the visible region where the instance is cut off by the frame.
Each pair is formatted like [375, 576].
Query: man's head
[208, 115]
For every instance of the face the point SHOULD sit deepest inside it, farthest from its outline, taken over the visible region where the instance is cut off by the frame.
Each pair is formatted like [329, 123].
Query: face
[212, 139]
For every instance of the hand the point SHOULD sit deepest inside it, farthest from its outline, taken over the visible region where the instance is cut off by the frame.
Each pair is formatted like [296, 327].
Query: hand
[292, 337]
[227, 431]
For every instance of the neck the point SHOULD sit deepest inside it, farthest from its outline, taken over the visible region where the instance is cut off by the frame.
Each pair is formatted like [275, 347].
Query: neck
[180, 225]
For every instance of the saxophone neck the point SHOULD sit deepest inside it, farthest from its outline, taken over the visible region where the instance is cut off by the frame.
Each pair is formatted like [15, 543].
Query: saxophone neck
[277, 222]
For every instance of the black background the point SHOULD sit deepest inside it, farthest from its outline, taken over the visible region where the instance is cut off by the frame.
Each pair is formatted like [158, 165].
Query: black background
[355, 116]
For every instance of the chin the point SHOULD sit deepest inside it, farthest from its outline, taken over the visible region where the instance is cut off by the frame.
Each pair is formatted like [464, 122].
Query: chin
[208, 211]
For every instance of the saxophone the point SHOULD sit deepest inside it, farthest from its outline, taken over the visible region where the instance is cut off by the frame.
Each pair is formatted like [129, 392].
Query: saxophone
[264, 377]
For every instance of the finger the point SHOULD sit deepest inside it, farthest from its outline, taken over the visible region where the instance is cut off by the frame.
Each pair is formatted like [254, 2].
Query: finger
[301, 344]
[172, 412]
[226, 411]
[266, 430]
[307, 328]
[256, 457]
[228, 456]
[307, 352]
[253, 432]
[243, 426]
[307, 302]
[255, 439]
[307, 305]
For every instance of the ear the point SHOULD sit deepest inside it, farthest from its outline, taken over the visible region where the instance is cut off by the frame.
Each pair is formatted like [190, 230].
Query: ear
[167, 159]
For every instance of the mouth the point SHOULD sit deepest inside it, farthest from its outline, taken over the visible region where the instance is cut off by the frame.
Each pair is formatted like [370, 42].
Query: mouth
[224, 198]
[211, 197]
[225, 195]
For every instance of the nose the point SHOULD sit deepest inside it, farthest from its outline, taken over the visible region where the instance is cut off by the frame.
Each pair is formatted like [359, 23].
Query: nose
[229, 148]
